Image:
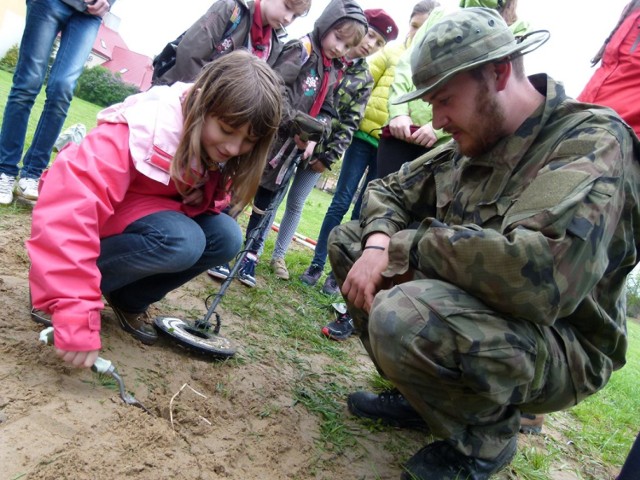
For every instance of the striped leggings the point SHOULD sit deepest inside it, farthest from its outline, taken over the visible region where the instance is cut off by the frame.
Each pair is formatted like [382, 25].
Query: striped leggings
[303, 181]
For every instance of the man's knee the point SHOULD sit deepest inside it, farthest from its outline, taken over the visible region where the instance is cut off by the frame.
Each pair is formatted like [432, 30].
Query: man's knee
[344, 248]
[393, 322]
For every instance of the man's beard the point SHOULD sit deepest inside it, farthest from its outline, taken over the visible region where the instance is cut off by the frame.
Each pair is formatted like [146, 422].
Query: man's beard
[489, 123]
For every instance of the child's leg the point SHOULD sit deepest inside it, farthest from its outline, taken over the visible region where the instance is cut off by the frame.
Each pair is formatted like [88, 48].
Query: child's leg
[301, 187]
[161, 252]
[261, 202]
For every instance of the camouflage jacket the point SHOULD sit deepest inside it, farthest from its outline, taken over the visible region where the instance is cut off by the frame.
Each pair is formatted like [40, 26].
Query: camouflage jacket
[350, 99]
[543, 228]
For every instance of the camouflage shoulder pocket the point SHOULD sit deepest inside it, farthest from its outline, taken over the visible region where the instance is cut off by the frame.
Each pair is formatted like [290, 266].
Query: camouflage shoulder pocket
[548, 191]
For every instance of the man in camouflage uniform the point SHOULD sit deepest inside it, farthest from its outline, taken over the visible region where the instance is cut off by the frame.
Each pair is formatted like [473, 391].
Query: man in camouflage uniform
[510, 295]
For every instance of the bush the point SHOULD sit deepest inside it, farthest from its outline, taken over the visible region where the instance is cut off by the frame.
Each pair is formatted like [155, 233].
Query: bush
[10, 60]
[101, 87]
[633, 295]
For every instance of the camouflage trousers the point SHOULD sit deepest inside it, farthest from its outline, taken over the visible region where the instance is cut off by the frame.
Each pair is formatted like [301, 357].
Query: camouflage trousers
[468, 370]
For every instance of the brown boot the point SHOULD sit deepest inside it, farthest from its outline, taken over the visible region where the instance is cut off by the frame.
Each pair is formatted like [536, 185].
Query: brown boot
[139, 325]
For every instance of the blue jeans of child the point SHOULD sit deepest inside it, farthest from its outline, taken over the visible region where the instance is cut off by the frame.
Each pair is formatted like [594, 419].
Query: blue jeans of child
[162, 251]
[357, 158]
[45, 19]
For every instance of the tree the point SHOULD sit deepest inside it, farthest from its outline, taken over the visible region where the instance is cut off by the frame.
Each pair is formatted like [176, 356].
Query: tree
[10, 60]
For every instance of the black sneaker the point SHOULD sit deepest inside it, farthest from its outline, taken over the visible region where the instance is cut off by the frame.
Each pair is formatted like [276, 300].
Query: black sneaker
[441, 461]
[330, 286]
[342, 327]
[221, 272]
[388, 408]
[311, 275]
[247, 272]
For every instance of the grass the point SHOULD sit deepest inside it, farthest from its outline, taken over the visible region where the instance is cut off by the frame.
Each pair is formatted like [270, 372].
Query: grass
[80, 111]
[599, 431]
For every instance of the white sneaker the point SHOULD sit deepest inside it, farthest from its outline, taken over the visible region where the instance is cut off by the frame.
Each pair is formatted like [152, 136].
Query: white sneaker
[28, 188]
[6, 189]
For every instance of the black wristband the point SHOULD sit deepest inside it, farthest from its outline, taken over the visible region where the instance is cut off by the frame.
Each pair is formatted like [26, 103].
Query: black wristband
[374, 247]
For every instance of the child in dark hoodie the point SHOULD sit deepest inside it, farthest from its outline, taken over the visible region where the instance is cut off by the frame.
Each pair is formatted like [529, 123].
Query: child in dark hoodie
[310, 68]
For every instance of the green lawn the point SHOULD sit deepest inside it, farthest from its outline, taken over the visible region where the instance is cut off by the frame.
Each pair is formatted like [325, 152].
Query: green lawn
[80, 111]
[599, 430]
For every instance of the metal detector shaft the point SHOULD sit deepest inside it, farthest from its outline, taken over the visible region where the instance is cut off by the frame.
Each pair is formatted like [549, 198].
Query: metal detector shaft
[293, 160]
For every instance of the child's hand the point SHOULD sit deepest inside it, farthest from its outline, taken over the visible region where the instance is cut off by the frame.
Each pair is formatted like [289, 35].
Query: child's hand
[194, 197]
[400, 127]
[424, 136]
[309, 150]
[302, 145]
[79, 359]
[99, 8]
[316, 165]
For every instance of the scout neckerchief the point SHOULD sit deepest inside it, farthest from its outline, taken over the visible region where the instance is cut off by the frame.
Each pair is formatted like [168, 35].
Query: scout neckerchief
[260, 35]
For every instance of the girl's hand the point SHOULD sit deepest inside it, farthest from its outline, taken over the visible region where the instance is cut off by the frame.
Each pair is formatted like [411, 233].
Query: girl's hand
[194, 197]
[316, 165]
[308, 151]
[79, 359]
[424, 136]
[400, 127]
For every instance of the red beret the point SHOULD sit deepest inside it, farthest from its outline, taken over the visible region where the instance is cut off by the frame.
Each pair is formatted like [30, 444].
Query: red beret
[382, 23]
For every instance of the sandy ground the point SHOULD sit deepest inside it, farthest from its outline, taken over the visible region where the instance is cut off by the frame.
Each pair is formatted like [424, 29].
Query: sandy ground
[58, 423]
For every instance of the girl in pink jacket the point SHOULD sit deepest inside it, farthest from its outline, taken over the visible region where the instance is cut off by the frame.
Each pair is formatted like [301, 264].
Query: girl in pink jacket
[135, 210]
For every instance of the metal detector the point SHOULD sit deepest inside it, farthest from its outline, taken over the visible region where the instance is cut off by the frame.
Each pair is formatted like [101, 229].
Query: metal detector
[201, 336]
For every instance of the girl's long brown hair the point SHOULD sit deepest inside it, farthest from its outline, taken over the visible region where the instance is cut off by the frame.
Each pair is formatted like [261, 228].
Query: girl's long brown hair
[238, 88]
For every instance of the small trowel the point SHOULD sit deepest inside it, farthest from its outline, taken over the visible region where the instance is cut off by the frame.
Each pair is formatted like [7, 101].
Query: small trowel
[100, 366]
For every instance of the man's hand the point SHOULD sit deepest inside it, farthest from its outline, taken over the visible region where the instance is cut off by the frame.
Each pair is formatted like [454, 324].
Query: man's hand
[400, 127]
[79, 359]
[424, 136]
[99, 8]
[365, 279]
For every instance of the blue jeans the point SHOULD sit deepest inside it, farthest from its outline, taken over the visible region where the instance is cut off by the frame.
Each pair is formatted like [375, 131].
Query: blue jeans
[162, 251]
[357, 158]
[45, 19]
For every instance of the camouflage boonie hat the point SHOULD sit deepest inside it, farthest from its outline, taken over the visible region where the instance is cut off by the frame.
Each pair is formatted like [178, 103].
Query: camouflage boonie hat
[462, 41]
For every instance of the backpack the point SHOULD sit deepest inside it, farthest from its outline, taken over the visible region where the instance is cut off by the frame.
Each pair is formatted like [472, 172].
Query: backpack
[166, 59]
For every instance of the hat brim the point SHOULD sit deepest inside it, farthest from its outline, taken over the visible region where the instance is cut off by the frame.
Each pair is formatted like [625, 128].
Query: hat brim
[528, 43]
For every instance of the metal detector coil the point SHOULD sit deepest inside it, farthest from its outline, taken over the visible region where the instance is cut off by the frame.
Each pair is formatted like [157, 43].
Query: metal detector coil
[200, 340]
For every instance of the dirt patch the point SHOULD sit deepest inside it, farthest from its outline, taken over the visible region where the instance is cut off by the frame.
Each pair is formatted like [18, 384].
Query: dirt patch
[244, 422]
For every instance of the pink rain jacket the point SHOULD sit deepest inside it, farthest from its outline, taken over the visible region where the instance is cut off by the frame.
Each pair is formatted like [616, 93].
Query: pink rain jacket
[118, 174]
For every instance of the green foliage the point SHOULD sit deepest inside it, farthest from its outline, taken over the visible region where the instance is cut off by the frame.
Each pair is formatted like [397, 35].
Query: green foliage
[10, 60]
[633, 295]
[98, 85]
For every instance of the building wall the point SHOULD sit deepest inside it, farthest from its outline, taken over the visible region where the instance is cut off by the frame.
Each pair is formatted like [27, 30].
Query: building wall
[12, 18]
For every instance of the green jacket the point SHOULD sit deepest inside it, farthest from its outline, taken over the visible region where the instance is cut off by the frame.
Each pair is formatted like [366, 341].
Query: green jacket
[544, 227]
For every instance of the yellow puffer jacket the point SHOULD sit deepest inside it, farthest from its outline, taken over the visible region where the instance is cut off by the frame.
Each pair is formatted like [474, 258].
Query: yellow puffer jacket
[382, 66]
